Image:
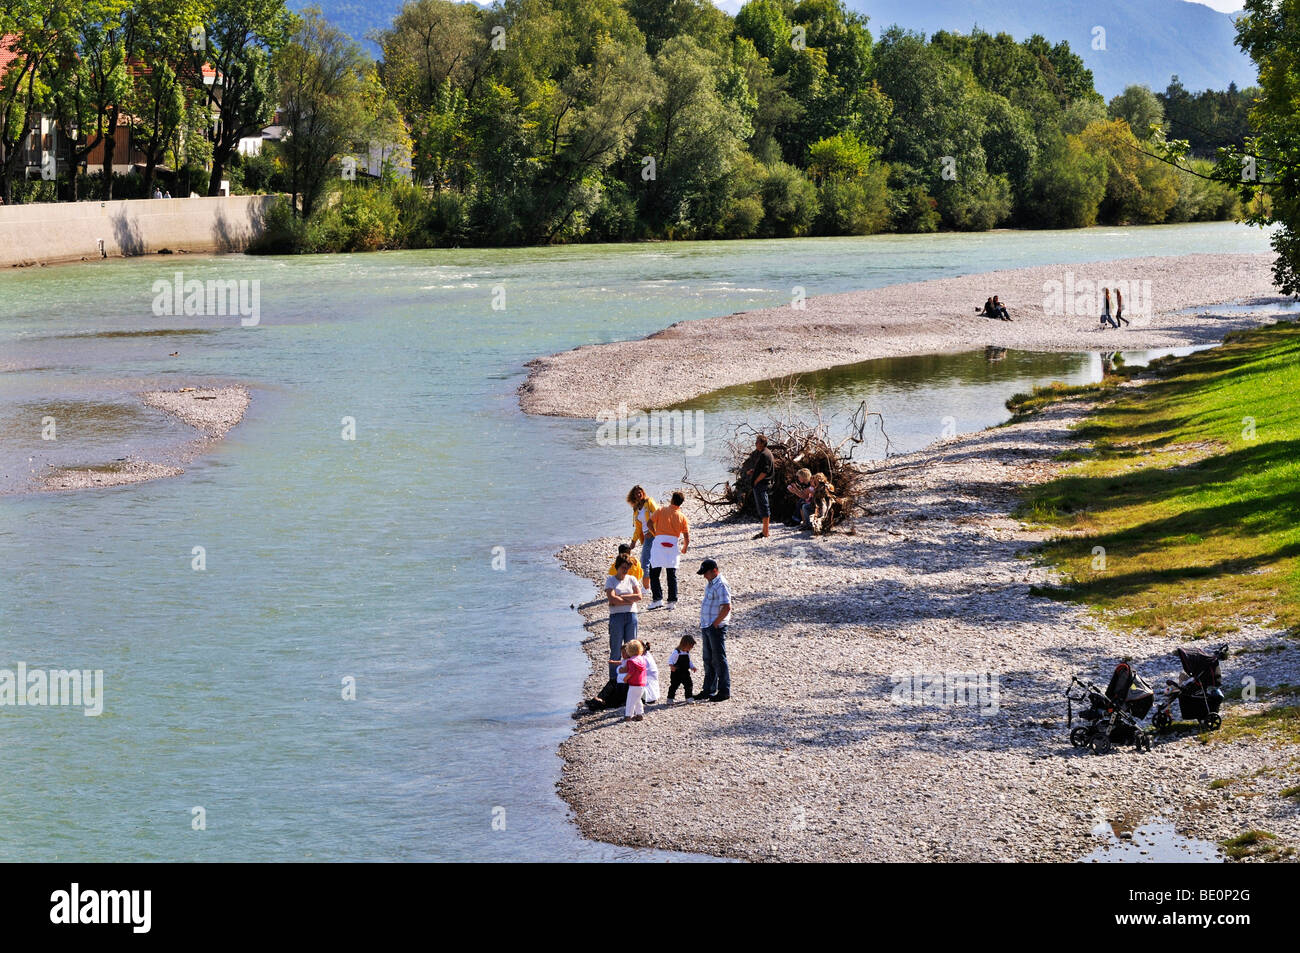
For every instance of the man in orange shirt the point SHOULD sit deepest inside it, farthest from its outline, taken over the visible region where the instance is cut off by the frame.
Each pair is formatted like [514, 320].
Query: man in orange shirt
[672, 539]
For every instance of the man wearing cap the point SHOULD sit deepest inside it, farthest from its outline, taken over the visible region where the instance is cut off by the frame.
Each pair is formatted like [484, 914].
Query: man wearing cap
[715, 614]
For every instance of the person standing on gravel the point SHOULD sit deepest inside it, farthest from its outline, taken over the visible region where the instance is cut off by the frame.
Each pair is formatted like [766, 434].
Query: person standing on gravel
[1106, 319]
[643, 507]
[1119, 309]
[715, 616]
[672, 537]
[622, 592]
[759, 468]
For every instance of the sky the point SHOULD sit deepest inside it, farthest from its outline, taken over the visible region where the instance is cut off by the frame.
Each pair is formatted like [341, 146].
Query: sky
[1223, 6]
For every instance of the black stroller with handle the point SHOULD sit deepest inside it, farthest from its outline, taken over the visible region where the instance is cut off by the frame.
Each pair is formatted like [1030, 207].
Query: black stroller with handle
[1198, 693]
[1112, 717]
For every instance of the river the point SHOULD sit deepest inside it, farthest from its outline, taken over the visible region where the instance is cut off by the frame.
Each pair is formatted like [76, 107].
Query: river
[415, 562]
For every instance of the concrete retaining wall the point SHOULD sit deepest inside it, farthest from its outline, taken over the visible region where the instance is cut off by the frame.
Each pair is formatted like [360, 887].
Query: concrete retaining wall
[46, 232]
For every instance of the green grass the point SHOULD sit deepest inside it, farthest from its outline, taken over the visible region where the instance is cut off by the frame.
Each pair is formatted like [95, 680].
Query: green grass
[1262, 691]
[1250, 844]
[1021, 405]
[1278, 724]
[1197, 516]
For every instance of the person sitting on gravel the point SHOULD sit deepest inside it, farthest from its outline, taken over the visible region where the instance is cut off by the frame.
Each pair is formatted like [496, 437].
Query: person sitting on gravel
[822, 499]
[993, 308]
[613, 694]
[802, 491]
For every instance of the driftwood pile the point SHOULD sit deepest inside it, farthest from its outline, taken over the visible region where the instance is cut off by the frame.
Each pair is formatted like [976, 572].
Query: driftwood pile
[799, 438]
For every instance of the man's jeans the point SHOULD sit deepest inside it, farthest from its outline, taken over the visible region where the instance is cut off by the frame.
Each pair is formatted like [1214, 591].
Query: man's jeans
[717, 675]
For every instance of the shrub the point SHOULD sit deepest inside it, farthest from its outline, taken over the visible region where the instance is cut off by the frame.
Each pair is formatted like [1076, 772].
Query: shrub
[283, 233]
[363, 219]
[789, 202]
[262, 173]
[1067, 187]
[855, 206]
[912, 209]
[975, 203]
[615, 218]
[1201, 200]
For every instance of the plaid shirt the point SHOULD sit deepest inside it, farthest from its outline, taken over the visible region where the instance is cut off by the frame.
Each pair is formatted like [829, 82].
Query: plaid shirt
[716, 595]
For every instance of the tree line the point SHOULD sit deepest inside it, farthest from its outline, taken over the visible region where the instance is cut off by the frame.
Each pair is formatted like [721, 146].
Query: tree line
[537, 121]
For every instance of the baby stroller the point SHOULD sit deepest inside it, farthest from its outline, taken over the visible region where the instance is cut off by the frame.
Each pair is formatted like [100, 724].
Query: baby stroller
[1198, 693]
[1111, 717]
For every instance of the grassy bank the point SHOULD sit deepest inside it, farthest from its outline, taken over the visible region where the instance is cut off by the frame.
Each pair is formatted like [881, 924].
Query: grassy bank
[1180, 514]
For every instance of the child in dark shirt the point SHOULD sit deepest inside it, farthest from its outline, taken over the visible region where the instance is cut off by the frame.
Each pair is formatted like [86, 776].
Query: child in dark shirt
[679, 662]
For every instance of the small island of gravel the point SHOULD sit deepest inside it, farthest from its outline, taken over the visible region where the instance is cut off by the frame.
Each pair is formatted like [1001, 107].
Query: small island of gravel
[211, 411]
[929, 317]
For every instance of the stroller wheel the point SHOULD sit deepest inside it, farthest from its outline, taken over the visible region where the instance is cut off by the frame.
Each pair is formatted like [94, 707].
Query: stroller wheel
[1213, 722]
[1101, 743]
[1079, 737]
[1142, 741]
[1161, 721]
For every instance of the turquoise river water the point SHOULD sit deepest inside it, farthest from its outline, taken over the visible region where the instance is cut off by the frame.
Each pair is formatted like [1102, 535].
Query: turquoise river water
[416, 559]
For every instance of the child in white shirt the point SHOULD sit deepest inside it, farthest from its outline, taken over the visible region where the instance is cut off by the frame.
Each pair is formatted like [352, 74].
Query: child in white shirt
[651, 693]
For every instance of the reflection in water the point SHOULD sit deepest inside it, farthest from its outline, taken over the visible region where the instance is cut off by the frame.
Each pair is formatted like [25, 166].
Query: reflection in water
[1156, 842]
[921, 398]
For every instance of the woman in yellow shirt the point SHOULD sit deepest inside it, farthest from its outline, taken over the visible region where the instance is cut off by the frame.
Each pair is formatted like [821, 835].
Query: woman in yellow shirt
[642, 509]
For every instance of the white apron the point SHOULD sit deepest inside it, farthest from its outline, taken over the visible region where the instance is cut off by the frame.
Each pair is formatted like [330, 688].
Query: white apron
[665, 552]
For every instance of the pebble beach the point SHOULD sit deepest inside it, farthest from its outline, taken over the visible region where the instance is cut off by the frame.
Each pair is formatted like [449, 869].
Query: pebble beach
[811, 759]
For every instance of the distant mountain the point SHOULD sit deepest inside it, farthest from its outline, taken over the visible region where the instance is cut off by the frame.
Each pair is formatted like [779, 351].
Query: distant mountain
[355, 18]
[1147, 41]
